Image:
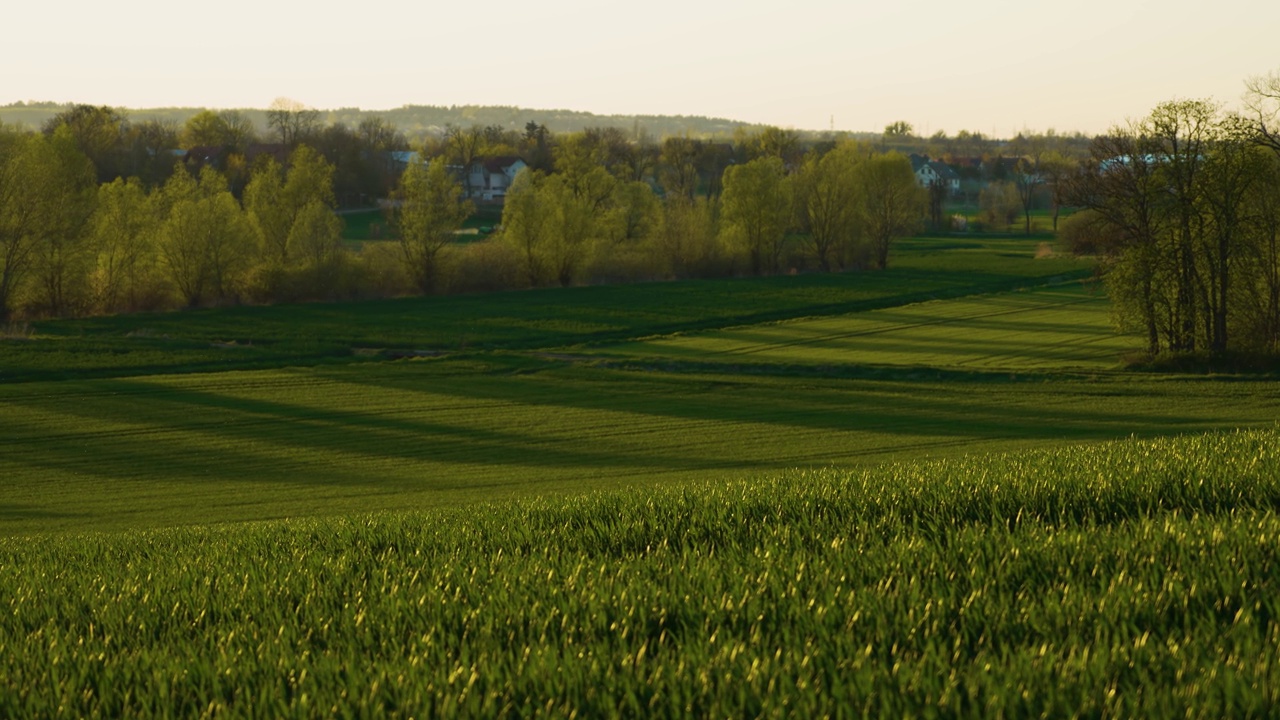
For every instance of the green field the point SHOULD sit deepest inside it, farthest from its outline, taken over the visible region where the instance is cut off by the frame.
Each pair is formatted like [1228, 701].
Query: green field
[926, 491]
[1136, 578]
[290, 335]
[268, 412]
[189, 449]
[1055, 329]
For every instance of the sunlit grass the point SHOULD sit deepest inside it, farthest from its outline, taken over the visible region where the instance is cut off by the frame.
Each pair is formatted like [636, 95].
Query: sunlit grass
[336, 333]
[1061, 328]
[866, 494]
[1137, 578]
[186, 449]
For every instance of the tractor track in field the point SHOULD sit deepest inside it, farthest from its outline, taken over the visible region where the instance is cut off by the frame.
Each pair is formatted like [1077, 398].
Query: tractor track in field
[981, 360]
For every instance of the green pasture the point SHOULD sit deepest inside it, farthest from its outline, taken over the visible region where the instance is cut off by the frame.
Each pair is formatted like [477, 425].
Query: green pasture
[1125, 579]
[287, 335]
[251, 413]
[365, 225]
[1041, 222]
[194, 449]
[929, 491]
[1050, 329]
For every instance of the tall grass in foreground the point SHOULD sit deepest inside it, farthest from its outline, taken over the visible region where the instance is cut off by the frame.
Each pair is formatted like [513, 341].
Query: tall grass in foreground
[1131, 578]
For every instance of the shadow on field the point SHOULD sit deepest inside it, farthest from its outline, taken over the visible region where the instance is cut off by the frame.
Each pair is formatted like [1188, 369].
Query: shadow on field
[773, 338]
[1015, 331]
[955, 349]
[438, 425]
[293, 335]
[10, 513]
[981, 406]
[189, 432]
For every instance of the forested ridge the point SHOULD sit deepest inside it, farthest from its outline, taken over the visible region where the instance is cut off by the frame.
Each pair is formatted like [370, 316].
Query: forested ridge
[421, 119]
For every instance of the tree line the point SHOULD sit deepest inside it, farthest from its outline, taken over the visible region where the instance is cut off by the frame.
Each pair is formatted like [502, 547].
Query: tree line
[72, 246]
[356, 142]
[256, 208]
[1183, 206]
[83, 231]
[597, 208]
[99, 214]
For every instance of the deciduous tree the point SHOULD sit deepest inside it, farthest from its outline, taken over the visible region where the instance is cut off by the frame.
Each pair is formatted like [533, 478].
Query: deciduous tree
[632, 213]
[464, 147]
[1026, 181]
[1122, 188]
[892, 203]
[149, 151]
[756, 210]
[205, 239]
[1056, 169]
[774, 142]
[678, 166]
[229, 130]
[827, 199]
[292, 121]
[1182, 132]
[122, 231]
[44, 182]
[429, 208]
[897, 135]
[63, 256]
[686, 239]
[1187, 196]
[275, 200]
[99, 134]
[1262, 98]
[528, 222]
[999, 203]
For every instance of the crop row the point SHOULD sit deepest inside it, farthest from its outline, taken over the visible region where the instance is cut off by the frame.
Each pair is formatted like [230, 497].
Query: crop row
[1046, 329]
[1134, 578]
[118, 453]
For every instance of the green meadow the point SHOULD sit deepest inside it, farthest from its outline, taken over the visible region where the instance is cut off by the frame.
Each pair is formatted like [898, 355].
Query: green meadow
[933, 490]
[268, 412]
[193, 449]
[1064, 328]
[288, 335]
[1131, 578]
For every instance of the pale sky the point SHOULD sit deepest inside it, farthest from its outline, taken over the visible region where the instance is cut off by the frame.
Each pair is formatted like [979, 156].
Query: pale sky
[992, 66]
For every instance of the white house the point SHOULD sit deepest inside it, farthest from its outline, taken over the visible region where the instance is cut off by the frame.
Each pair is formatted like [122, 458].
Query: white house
[490, 178]
[487, 179]
[931, 172]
